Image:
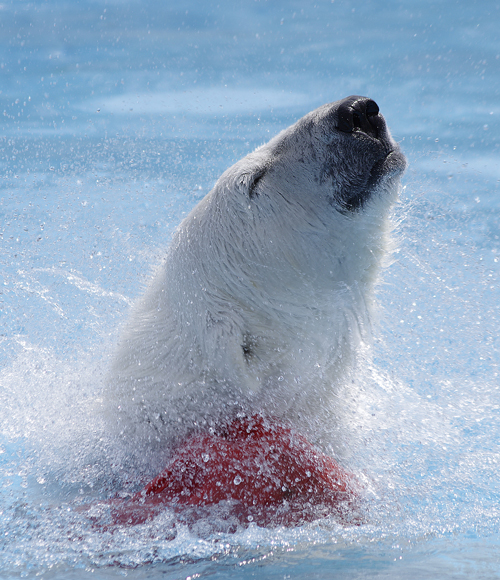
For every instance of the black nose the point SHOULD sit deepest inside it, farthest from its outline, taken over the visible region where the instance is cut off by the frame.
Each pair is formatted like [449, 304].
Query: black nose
[359, 114]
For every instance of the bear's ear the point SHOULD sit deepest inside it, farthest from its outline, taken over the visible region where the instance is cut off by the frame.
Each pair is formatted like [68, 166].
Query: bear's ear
[249, 181]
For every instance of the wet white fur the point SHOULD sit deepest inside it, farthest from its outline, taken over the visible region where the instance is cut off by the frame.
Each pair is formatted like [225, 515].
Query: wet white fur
[263, 300]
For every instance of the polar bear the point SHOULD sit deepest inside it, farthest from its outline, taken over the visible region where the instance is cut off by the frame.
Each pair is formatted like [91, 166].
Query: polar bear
[266, 292]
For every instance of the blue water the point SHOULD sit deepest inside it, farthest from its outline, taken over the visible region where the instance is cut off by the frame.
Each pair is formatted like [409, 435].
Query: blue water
[118, 116]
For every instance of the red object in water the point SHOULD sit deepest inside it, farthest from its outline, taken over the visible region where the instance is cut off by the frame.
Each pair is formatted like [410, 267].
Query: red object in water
[268, 473]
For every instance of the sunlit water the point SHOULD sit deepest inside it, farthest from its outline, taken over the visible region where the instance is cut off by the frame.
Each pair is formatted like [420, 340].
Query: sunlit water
[117, 118]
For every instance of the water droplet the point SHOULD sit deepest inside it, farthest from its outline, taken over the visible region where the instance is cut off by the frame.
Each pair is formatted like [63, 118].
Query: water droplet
[237, 480]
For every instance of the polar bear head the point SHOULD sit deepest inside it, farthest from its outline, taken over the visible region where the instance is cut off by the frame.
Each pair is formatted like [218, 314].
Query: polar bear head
[318, 195]
[341, 153]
